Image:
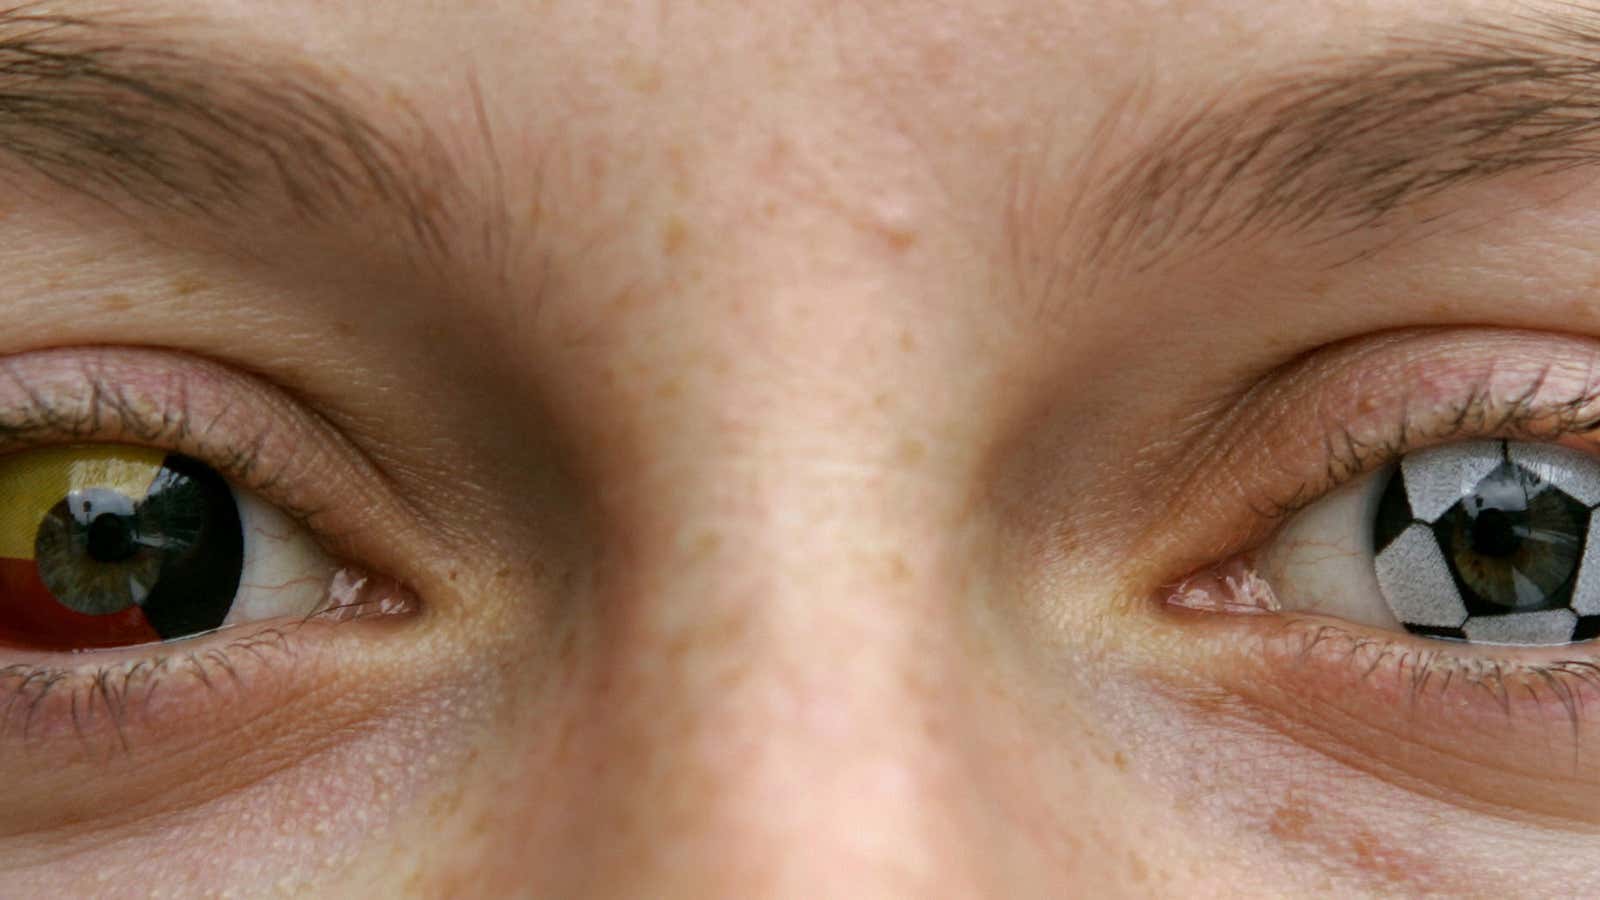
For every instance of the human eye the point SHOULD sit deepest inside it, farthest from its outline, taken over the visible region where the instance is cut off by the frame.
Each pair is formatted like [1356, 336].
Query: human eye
[1406, 578]
[1478, 541]
[184, 552]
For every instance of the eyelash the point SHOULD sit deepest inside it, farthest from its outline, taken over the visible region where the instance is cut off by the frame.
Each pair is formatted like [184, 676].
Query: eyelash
[1417, 668]
[26, 687]
[42, 422]
[1522, 417]
[88, 396]
[1430, 677]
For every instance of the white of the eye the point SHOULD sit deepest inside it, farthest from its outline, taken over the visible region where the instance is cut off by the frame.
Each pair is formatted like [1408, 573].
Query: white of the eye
[285, 574]
[1439, 476]
[1321, 562]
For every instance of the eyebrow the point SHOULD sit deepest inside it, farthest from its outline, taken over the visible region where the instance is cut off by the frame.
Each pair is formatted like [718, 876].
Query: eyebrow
[115, 108]
[1342, 144]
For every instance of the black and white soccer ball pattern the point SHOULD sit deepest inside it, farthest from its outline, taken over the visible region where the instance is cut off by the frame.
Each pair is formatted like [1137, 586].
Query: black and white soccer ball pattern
[1488, 541]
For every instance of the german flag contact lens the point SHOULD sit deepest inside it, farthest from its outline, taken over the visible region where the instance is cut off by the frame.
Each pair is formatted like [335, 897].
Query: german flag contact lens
[112, 546]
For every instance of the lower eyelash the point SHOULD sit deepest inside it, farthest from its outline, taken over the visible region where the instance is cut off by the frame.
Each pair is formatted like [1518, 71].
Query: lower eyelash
[1552, 690]
[40, 702]
[1436, 667]
[96, 703]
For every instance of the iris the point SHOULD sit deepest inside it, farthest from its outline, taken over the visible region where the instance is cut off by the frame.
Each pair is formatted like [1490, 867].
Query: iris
[1513, 542]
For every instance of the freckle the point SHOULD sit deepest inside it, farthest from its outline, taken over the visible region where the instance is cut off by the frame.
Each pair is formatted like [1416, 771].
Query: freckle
[898, 569]
[900, 240]
[647, 80]
[671, 389]
[116, 303]
[908, 341]
[344, 329]
[674, 234]
[503, 573]
[880, 402]
[910, 452]
[1138, 872]
[1120, 760]
[1291, 820]
[187, 285]
[706, 545]
[1375, 854]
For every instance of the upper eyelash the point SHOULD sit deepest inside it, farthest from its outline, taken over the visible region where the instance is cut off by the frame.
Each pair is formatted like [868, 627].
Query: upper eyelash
[1517, 416]
[92, 398]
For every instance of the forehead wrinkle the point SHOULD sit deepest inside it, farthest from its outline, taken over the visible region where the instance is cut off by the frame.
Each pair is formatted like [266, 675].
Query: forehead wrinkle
[119, 109]
[1341, 144]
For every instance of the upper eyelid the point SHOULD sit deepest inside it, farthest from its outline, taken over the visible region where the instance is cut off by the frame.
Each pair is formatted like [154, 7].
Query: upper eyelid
[1348, 409]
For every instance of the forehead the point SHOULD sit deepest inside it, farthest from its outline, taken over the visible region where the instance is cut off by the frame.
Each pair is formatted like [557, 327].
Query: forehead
[863, 130]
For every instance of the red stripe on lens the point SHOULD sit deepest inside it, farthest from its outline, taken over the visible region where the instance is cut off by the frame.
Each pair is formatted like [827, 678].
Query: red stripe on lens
[31, 618]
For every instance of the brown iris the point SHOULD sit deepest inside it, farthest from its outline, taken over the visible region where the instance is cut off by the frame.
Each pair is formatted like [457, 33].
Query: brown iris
[1513, 543]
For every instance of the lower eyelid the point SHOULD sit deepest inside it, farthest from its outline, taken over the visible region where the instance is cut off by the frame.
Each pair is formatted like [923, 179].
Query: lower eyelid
[126, 733]
[1502, 733]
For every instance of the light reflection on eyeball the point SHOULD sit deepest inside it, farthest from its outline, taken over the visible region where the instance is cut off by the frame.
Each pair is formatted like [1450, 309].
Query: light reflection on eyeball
[1483, 541]
[112, 546]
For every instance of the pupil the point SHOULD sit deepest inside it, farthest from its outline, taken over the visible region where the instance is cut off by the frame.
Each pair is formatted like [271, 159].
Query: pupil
[111, 538]
[1494, 533]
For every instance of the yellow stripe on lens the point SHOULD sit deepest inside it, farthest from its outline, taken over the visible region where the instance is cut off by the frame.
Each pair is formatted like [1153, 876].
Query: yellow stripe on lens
[34, 481]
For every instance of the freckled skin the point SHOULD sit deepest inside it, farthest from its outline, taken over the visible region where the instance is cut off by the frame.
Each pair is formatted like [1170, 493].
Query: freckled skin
[785, 517]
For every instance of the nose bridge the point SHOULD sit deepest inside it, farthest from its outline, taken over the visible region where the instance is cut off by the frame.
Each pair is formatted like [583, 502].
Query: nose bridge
[779, 685]
[781, 690]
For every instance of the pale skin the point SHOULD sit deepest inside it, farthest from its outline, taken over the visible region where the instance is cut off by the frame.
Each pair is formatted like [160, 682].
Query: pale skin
[788, 492]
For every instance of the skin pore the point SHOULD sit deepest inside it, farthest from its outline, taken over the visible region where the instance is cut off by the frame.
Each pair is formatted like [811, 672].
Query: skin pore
[787, 417]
